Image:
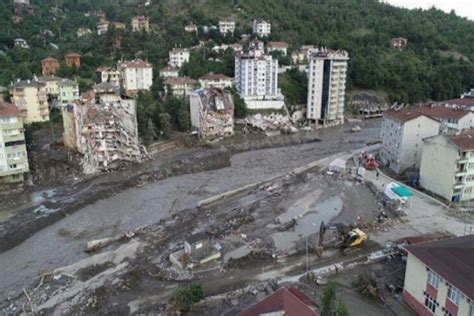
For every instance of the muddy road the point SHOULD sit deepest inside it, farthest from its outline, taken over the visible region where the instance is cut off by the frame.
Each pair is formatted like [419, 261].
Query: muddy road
[63, 242]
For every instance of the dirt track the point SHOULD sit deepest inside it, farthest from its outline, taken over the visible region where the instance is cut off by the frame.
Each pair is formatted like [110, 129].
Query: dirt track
[62, 243]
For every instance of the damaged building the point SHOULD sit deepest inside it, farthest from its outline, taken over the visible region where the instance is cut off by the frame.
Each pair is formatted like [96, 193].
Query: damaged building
[102, 126]
[212, 112]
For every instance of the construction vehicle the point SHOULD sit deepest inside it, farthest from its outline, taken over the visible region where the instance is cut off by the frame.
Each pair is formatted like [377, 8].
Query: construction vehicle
[368, 161]
[346, 236]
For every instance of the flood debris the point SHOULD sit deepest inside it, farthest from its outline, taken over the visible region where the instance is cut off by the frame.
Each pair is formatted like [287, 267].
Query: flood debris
[272, 122]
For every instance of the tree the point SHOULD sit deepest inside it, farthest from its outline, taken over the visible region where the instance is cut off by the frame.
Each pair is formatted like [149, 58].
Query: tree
[150, 134]
[240, 108]
[330, 306]
[165, 124]
[185, 297]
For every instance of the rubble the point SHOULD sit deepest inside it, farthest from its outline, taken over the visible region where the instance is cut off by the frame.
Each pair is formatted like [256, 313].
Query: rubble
[272, 122]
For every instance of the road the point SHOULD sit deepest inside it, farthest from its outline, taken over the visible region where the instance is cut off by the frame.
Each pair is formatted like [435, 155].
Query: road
[63, 242]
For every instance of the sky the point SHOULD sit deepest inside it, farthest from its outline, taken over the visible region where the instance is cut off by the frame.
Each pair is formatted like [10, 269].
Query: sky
[462, 7]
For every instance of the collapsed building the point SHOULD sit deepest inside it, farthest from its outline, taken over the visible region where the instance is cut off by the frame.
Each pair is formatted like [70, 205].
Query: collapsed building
[212, 112]
[102, 126]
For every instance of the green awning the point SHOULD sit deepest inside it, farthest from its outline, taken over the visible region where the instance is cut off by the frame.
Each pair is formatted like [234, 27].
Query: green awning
[402, 191]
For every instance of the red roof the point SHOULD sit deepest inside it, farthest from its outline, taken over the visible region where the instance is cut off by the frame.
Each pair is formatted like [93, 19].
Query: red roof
[277, 44]
[137, 63]
[7, 109]
[214, 77]
[452, 259]
[463, 141]
[289, 300]
[49, 59]
[437, 112]
[466, 101]
[72, 55]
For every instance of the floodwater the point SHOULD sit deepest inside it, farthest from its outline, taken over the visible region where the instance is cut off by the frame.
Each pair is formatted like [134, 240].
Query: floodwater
[63, 242]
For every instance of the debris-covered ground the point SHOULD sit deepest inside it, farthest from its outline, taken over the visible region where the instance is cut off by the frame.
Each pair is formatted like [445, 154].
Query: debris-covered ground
[133, 274]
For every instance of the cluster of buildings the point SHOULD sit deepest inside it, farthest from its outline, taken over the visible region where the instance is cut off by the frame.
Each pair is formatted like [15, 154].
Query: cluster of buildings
[433, 137]
[132, 76]
[102, 126]
[50, 65]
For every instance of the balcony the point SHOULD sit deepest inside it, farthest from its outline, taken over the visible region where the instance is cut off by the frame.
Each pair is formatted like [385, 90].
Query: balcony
[458, 185]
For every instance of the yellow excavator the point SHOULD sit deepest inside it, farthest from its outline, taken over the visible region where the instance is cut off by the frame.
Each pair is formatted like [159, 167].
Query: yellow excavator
[346, 236]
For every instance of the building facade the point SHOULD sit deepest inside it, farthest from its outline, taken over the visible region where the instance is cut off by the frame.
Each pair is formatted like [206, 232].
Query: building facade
[104, 130]
[327, 87]
[277, 47]
[402, 134]
[49, 66]
[72, 60]
[452, 156]
[102, 27]
[438, 277]
[256, 80]
[140, 23]
[261, 27]
[31, 98]
[212, 112]
[212, 80]
[226, 26]
[178, 56]
[83, 31]
[399, 43]
[136, 75]
[13, 155]
[108, 74]
[60, 91]
[180, 87]
[169, 72]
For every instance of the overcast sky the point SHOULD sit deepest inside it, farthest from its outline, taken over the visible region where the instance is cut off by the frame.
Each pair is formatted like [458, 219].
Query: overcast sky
[462, 7]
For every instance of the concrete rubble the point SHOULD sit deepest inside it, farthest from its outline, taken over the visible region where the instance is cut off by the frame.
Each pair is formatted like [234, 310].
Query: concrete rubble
[272, 122]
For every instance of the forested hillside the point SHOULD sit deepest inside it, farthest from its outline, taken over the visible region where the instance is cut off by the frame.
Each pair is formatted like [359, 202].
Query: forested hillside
[437, 64]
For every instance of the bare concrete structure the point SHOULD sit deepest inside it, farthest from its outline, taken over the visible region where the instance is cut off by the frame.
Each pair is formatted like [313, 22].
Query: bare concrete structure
[103, 128]
[212, 112]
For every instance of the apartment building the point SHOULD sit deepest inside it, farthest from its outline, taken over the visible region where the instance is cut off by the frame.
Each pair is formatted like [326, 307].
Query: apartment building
[453, 119]
[256, 80]
[140, 23]
[452, 156]
[261, 27]
[13, 156]
[169, 72]
[103, 131]
[212, 80]
[108, 74]
[72, 60]
[212, 112]
[180, 87]
[21, 43]
[136, 75]
[226, 27]
[178, 56]
[277, 47]
[191, 28]
[31, 98]
[49, 66]
[327, 87]
[60, 91]
[402, 133]
[439, 277]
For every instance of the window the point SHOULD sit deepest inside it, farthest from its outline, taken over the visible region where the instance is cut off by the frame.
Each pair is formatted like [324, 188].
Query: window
[446, 313]
[433, 279]
[453, 294]
[430, 303]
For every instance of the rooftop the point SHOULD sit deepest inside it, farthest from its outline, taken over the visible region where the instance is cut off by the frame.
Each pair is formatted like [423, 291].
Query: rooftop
[285, 301]
[463, 142]
[179, 50]
[7, 109]
[278, 44]
[433, 111]
[179, 81]
[451, 258]
[72, 55]
[49, 59]
[136, 63]
[467, 101]
[215, 77]
[404, 114]
[216, 99]
[197, 237]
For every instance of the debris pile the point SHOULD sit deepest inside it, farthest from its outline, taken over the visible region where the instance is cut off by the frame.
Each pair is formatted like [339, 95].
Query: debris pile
[272, 122]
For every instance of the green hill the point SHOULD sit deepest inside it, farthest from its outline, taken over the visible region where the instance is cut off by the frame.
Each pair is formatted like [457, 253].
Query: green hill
[430, 67]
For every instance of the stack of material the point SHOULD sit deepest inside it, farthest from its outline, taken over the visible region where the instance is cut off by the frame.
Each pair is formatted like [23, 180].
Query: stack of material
[272, 122]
